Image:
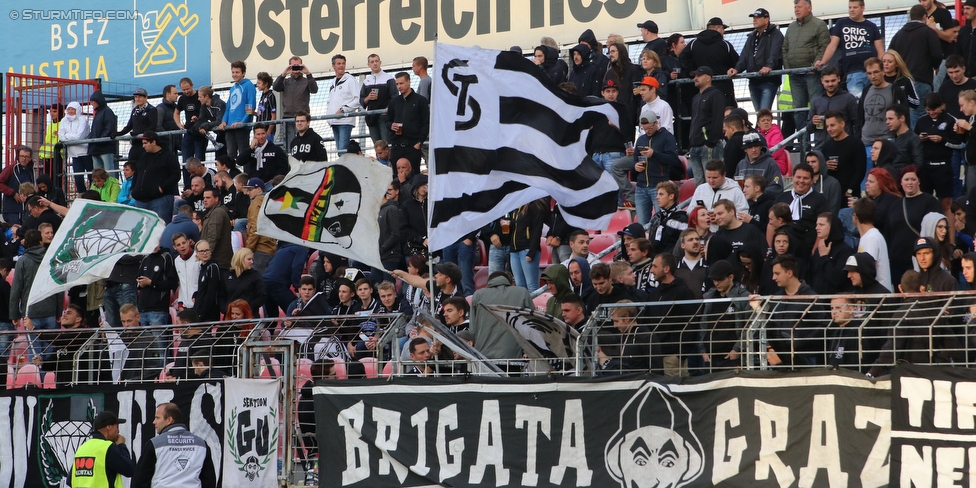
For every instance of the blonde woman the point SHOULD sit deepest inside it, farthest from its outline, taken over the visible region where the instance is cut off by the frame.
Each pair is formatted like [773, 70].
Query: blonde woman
[896, 72]
[243, 282]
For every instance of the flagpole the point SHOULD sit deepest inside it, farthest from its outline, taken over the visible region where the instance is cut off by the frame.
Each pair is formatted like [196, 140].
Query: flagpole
[430, 257]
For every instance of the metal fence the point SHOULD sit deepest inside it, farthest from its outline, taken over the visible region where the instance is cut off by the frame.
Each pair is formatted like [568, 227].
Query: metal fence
[864, 333]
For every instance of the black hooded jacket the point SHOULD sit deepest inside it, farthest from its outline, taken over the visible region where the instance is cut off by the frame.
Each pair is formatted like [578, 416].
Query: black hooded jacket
[585, 75]
[103, 124]
[597, 58]
[554, 68]
[868, 269]
[826, 274]
[936, 279]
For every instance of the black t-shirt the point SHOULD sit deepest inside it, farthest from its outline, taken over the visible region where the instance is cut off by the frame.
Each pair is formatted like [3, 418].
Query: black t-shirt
[190, 106]
[943, 18]
[856, 41]
[950, 91]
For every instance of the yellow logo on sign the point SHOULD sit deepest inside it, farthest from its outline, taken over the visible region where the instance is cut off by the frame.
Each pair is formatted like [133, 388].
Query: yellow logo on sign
[159, 30]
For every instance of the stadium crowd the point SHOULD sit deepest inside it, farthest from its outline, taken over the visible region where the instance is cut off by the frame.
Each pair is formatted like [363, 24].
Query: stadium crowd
[879, 202]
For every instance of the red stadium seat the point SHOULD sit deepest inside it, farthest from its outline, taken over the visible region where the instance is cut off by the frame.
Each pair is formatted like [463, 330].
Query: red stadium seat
[340, 369]
[600, 242]
[621, 219]
[684, 161]
[540, 301]
[480, 277]
[482, 251]
[27, 375]
[370, 364]
[545, 256]
[687, 190]
[311, 261]
[387, 370]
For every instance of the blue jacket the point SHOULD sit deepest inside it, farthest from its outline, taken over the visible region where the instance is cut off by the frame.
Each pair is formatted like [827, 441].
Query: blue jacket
[662, 161]
[180, 223]
[125, 194]
[241, 94]
[287, 264]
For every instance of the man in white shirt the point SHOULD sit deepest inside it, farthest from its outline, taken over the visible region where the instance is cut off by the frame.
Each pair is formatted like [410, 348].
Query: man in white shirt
[343, 98]
[579, 242]
[717, 187]
[648, 92]
[872, 242]
[187, 268]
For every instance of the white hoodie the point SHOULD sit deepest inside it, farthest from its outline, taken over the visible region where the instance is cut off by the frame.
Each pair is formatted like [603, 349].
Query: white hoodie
[73, 128]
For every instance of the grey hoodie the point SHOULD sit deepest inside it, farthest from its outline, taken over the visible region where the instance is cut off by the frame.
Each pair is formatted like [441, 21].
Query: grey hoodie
[492, 337]
[764, 165]
[24, 273]
[828, 186]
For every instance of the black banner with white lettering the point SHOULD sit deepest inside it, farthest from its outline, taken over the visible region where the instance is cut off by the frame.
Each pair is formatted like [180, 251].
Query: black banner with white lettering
[749, 429]
[933, 426]
[41, 429]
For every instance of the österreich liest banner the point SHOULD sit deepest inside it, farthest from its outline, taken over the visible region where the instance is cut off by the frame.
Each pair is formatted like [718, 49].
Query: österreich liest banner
[748, 429]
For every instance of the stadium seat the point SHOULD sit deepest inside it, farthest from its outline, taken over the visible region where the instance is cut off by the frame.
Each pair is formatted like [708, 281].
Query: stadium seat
[684, 161]
[165, 372]
[304, 373]
[49, 382]
[10, 277]
[480, 277]
[621, 219]
[370, 365]
[482, 251]
[340, 369]
[540, 301]
[387, 370]
[274, 371]
[687, 190]
[545, 255]
[600, 242]
[311, 261]
[27, 375]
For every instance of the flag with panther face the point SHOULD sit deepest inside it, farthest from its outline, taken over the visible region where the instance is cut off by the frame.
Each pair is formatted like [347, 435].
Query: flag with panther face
[331, 207]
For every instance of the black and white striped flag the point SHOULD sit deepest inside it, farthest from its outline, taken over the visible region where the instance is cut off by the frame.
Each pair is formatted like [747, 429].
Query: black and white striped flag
[502, 136]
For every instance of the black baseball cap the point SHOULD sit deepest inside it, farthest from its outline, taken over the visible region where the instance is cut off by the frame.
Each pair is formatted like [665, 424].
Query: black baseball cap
[106, 418]
[716, 21]
[149, 135]
[760, 12]
[633, 230]
[703, 70]
[650, 25]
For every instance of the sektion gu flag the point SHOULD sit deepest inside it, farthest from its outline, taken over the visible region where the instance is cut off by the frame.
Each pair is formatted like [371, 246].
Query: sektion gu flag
[503, 135]
[92, 238]
[332, 207]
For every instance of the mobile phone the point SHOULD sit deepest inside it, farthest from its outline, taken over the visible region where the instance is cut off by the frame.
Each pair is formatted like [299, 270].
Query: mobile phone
[296, 67]
[641, 149]
[924, 134]
[700, 203]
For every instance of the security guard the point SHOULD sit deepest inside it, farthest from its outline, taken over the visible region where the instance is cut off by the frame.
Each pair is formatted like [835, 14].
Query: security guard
[103, 460]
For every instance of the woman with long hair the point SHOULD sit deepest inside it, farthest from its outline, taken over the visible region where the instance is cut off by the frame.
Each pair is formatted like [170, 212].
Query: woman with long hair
[243, 282]
[896, 72]
[903, 222]
[967, 104]
[210, 287]
[936, 226]
[417, 297]
[524, 258]
[650, 65]
[240, 310]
